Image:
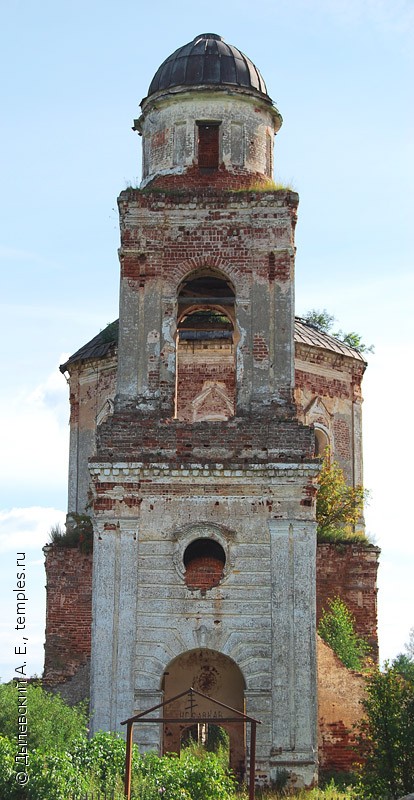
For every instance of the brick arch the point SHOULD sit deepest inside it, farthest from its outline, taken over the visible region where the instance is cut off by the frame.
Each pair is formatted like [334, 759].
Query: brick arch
[208, 271]
[191, 266]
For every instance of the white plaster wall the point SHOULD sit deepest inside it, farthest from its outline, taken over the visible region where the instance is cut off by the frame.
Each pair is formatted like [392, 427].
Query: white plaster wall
[169, 130]
[114, 582]
[262, 615]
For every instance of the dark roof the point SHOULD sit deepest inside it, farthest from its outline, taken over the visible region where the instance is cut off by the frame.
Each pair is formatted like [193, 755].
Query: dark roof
[107, 340]
[305, 333]
[98, 347]
[208, 61]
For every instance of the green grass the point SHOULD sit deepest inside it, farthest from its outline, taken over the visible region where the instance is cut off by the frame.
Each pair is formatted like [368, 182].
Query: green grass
[330, 792]
[266, 186]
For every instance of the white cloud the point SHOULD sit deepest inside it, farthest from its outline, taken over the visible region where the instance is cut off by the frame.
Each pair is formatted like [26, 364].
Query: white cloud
[26, 529]
[34, 433]
[52, 393]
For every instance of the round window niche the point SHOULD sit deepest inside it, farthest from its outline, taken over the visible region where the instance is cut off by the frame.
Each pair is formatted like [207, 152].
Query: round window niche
[204, 562]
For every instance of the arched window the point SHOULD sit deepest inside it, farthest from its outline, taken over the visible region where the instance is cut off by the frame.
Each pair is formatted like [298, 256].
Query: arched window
[321, 442]
[206, 375]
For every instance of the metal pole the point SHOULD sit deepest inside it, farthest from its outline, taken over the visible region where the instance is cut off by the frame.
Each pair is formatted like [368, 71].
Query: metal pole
[252, 760]
[128, 761]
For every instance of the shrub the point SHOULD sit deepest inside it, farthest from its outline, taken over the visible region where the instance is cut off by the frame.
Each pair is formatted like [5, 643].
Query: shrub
[78, 533]
[187, 777]
[337, 628]
[338, 506]
[53, 724]
[102, 759]
[8, 786]
[54, 776]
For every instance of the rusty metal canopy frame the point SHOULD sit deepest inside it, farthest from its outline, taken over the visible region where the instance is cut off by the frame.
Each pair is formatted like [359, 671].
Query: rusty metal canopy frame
[143, 717]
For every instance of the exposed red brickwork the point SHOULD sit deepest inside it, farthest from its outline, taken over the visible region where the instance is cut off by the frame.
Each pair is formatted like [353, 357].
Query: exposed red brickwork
[133, 267]
[74, 409]
[203, 573]
[134, 436]
[260, 348]
[350, 572]
[202, 365]
[337, 750]
[320, 385]
[194, 177]
[191, 384]
[283, 267]
[223, 240]
[340, 692]
[342, 438]
[69, 612]
[208, 146]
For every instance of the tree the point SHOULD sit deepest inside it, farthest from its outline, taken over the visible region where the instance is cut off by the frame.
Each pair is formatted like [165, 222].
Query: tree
[337, 628]
[386, 735]
[338, 506]
[404, 666]
[404, 662]
[409, 646]
[323, 321]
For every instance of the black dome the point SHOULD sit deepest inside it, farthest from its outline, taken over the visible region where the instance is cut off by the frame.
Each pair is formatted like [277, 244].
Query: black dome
[208, 61]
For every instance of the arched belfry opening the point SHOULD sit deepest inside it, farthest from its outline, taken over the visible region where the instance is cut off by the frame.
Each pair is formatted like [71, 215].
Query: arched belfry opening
[206, 349]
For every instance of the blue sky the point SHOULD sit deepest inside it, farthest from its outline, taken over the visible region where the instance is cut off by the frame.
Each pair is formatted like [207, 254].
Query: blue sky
[341, 74]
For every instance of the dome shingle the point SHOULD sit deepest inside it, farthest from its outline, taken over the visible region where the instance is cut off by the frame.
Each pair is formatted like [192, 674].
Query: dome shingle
[208, 61]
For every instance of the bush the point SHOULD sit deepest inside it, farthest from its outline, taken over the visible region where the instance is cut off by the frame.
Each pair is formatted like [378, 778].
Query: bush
[8, 786]
[52, 776]
[187, 777]
[102, 760]
[337, 628]
[53, 724]
[338, 506]
[78, 533]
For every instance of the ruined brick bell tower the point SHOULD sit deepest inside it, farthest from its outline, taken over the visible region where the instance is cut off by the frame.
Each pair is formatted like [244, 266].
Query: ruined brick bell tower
[202, 482]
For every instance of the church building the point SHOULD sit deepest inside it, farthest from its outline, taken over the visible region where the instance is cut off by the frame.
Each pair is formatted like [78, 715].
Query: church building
[198, 422]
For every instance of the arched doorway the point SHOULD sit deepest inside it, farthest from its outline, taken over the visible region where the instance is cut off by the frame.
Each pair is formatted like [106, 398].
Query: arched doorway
[213, 674]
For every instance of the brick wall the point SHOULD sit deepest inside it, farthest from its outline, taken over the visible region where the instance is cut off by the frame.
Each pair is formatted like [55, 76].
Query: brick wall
[340, 692]
[220, 178]
[203, 573]
[256, 439]
[201, 364]
[350, 571]
[68, 614]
